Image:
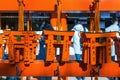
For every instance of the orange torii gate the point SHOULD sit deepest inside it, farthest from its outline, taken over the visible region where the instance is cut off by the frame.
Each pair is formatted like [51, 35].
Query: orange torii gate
[67, 68]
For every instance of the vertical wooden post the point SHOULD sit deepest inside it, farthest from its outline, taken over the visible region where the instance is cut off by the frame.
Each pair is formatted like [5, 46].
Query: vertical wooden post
[21, 16]
[58, 15]
[29, 27]
[97, 16]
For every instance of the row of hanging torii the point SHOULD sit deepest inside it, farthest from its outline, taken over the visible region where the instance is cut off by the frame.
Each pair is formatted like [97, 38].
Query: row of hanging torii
[22, 50]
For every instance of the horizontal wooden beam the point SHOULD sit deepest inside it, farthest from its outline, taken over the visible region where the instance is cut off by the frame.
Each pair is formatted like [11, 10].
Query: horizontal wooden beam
[66, 5]
[38, 68]
[73, 68]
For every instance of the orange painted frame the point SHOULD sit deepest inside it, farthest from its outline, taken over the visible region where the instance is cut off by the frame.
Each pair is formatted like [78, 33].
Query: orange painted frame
[38, 68]
[69, 5]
